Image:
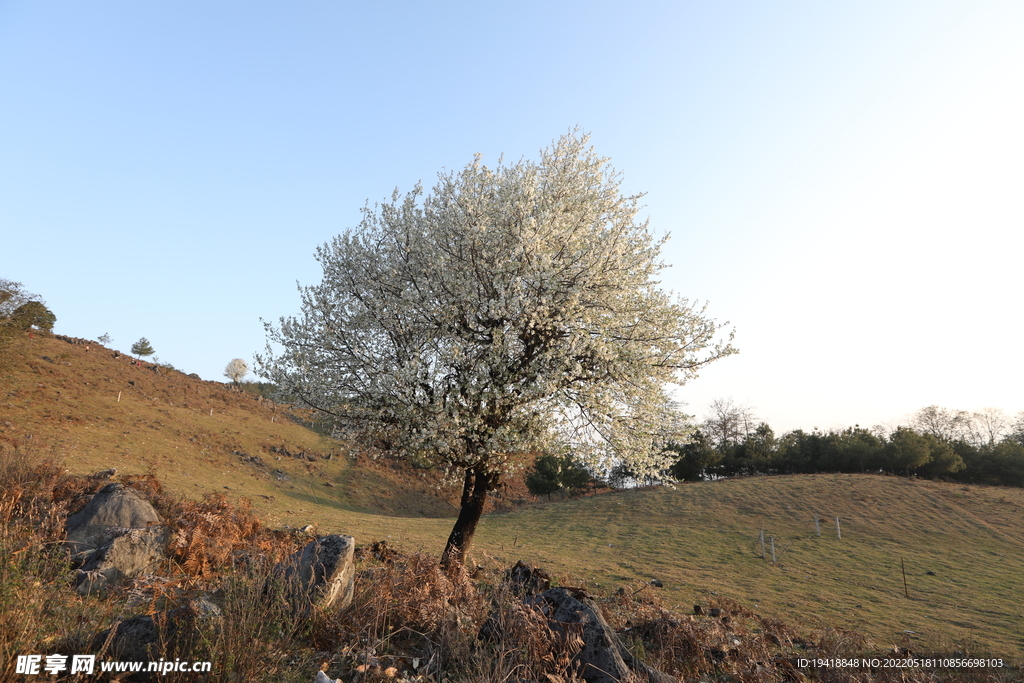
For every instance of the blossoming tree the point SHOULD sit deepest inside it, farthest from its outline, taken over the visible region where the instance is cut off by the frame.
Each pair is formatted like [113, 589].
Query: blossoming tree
[236, 370]
[511, 309]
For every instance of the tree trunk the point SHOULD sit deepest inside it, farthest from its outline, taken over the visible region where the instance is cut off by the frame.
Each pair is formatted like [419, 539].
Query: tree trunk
[475, 487]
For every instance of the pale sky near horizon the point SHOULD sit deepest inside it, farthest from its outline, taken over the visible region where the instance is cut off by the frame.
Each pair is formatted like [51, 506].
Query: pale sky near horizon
[842, 183]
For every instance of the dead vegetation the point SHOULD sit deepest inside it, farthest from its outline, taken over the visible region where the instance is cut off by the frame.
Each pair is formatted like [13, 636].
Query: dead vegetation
[410, 620]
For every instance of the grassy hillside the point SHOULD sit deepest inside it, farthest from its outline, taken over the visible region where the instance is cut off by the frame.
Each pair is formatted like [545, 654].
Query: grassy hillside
[702, 539]
[94, 410]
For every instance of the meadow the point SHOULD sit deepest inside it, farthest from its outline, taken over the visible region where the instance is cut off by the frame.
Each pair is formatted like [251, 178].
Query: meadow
[961, 547]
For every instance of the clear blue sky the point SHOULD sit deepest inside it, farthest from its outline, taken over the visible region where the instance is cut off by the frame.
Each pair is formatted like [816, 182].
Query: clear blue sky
[844, 183]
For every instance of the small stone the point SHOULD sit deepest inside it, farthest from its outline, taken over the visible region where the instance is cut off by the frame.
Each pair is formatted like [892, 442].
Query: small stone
[525, 580]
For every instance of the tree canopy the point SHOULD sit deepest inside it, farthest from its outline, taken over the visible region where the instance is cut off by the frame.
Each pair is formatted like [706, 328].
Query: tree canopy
[142, 348]
[236, 370]
[13, 295]
[21, 310]
[33, 315]
[551, 473]
[511, 309]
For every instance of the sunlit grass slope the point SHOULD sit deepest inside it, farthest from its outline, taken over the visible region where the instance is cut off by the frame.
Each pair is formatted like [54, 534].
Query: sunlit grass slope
[92, 409]
[698, 539]
[704, 537]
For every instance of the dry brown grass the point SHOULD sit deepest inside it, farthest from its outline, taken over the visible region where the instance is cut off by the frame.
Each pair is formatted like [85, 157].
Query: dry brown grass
[38, 611]
[412, 616]
[410, 620]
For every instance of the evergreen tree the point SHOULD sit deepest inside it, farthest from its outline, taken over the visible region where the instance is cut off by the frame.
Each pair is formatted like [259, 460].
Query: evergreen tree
[542, 479]
[551, 473]
[142, 348]
[908, 450]
[33, 316]
[696, 458]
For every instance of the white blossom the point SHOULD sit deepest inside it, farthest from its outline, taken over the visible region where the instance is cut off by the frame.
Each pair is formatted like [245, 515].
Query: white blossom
[236, 370]
[510, 309]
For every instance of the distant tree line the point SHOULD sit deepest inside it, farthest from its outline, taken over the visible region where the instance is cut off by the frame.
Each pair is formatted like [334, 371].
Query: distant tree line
[985, 447]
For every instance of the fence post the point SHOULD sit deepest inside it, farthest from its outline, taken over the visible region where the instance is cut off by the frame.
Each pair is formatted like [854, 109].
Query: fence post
[772, 538]
[839, 532]
[762, 544]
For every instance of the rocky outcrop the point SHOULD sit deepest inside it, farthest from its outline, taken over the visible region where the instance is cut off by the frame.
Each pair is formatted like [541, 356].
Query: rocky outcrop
[136, 639]
[131, 553]
[116, 536]
[598, 656]
[114, 508]
[78, 341]
[322, 574]
[602, 658]
[150, 638]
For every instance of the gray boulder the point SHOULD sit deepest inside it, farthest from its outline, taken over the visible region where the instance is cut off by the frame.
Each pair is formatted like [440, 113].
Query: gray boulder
[149, 638]
[131, 553]
[603, 658]
[114, 537]
[114, 508]
[136, 639]
[322, 574]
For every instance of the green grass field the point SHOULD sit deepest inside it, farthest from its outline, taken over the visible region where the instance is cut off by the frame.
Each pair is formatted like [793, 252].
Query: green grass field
[704, 537]
[701, 540]
[93, 411]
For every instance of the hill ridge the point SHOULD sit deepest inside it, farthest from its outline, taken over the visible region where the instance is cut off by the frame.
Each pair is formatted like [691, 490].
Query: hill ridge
[94, 408]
